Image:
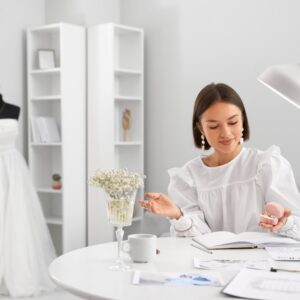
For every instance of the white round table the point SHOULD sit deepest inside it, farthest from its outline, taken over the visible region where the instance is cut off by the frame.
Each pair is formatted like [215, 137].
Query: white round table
[85, 273]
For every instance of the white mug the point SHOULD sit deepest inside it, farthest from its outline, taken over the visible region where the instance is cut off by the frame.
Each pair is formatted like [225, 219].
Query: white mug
[140, 247]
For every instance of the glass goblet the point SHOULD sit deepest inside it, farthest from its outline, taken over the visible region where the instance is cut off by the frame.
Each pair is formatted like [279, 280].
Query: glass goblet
[120, 212]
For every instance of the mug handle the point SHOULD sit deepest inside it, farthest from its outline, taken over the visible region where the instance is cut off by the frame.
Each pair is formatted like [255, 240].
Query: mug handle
[125, 247]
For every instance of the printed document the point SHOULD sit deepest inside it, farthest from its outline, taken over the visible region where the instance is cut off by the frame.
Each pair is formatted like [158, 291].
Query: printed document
[176, 279]
[284, 253]
[231, 264]
[261, 284]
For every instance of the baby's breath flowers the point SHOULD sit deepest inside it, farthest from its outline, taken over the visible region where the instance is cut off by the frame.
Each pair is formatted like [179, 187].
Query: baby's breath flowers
[118, 182]
[121, 186]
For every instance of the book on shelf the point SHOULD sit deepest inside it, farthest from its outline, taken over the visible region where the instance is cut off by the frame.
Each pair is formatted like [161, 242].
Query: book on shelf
[230, 240]
[36, 138]
[45, 130]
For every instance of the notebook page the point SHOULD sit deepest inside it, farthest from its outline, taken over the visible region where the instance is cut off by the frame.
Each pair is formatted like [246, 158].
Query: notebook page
[217, 238]
[259, 238]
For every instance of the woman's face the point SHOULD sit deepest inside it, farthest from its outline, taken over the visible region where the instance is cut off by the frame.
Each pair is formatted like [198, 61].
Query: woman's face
[222, 126]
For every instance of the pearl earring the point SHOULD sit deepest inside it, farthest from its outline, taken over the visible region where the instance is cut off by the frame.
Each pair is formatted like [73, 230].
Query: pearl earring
[202, 142]
[242, 139]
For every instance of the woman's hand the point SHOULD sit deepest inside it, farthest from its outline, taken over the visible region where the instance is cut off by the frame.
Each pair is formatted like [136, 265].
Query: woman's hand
[161, 204]
[281, 221]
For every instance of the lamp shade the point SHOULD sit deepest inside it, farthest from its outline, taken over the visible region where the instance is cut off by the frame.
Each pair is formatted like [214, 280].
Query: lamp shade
[283, 80]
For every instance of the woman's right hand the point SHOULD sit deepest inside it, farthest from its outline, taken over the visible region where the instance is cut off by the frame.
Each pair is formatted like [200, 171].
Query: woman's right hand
[161, 204]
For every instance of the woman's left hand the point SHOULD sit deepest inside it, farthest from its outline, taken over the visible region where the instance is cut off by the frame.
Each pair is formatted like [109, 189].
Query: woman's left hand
[281, 221]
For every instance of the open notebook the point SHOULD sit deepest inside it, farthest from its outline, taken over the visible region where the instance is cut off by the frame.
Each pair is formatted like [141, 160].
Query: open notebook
[229, 240]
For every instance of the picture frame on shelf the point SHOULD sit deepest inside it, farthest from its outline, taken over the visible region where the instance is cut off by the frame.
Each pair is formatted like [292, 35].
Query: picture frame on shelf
[46, 58]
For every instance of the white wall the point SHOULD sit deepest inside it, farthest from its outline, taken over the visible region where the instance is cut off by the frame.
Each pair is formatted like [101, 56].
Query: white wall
[68, 11]
[102, 11]
[82, 12]
[15, 17]
[191, 43]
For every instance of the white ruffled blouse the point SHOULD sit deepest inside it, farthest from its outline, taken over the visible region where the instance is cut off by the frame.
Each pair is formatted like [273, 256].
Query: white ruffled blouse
[231, 197]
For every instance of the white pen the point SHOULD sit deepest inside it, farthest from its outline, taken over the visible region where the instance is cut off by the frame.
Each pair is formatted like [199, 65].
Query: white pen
[201, 248]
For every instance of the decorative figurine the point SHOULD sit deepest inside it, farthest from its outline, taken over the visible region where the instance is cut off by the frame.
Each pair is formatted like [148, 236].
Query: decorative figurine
[126, 123]
[56, 184]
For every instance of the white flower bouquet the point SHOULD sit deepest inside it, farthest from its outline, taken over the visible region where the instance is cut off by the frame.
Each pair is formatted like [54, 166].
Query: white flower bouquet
[118, 182]
[121, 185]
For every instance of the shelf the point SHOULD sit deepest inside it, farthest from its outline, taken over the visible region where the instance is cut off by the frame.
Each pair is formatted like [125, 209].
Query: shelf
[46, 144]
[47, 98]
[49, 191]
[45, 84]
[45, 71]
[116, 84]
[54, 221]
[122, 29]
[53, 28]
[128, 143]
[51, 93]
[128, 98]
[127, 72]
[129, 84]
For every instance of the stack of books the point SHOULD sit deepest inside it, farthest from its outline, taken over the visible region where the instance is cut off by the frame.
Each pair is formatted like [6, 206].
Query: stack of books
[45, 130]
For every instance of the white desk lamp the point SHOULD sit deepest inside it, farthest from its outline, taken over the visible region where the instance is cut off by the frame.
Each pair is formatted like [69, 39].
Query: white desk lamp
[283, 80]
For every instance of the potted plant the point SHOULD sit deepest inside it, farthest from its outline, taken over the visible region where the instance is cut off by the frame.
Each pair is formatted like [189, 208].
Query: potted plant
[56, 184]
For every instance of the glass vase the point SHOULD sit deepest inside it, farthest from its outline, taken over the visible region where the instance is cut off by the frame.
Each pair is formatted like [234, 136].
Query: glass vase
[120, 211]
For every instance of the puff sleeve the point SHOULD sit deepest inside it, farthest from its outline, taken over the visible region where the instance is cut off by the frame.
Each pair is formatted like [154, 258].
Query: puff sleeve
[183, 193]
[276, 179]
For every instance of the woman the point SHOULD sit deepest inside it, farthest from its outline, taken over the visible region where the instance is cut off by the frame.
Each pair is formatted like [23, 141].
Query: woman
[228, 189]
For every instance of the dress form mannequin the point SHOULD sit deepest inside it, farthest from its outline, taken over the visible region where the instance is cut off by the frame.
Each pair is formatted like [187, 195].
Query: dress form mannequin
[8, 111]
[26, 248]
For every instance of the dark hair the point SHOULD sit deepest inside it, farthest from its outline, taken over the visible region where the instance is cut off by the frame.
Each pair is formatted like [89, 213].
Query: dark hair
[209, 95]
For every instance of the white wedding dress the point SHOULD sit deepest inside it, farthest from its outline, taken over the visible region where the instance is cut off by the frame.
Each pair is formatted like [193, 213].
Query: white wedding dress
[26, 249]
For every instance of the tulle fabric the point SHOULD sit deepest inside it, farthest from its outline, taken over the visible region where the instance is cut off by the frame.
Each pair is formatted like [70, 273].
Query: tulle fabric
[26, 249]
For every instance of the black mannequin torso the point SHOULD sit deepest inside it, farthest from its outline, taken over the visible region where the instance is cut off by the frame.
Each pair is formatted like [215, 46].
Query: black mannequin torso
[8, 111]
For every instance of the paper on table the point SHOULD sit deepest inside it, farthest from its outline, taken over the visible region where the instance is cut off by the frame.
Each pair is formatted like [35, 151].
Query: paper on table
[259, 264]
[176, 279]
[284, 253]
[214, 264]
[231, 264]
[261, 284]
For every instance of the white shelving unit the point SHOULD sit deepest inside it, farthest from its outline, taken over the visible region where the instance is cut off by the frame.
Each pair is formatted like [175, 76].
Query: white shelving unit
[115, 83]
[59, 92]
